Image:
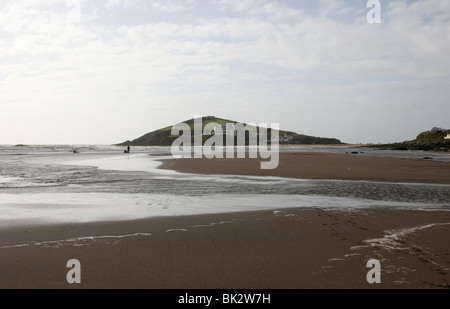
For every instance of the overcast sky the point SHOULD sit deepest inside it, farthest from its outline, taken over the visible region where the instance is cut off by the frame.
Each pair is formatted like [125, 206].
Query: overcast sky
[102, 72]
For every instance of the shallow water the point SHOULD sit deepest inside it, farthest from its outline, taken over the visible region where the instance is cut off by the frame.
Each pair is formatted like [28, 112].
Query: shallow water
[51, 184]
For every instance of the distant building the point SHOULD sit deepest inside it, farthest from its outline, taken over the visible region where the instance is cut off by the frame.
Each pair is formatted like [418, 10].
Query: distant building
[447, 137]
[286, 138]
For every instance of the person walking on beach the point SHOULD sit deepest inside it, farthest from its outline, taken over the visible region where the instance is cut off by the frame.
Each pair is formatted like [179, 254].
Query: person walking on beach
[128, 148]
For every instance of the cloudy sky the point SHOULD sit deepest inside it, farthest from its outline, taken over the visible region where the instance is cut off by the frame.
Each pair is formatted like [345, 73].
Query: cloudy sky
[102, 72]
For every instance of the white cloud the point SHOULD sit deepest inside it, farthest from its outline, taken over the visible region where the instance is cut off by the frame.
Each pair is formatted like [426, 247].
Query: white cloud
[168, 6]
[239, 5]
[338, 8]
[113, 4]
[253, 59]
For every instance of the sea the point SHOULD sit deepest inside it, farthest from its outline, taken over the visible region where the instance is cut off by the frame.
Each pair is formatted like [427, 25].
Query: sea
[46, 184]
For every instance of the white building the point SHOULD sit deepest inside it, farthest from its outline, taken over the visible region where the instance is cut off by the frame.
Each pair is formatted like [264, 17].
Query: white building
[286, 138]
[447, 137]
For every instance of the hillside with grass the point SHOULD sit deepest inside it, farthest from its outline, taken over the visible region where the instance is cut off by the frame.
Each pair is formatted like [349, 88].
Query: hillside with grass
[164, 137]
[431, 140]
[435, 134]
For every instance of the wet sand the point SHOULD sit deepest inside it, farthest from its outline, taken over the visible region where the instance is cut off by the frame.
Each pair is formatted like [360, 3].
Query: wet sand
[289, 249]
[301, 248]
[315, 165]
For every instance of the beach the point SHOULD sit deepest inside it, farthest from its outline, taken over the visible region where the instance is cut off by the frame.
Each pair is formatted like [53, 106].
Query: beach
[272, 248]
[289, 249]
[317, 165]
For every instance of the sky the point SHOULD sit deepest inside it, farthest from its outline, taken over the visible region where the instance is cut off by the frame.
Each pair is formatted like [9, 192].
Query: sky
[103, 72]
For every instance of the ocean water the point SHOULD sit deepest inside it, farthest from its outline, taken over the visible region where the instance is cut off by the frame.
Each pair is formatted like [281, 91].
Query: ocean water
[50, 184]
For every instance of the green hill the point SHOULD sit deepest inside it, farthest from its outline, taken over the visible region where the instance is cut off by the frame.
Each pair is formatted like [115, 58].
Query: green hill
[432, 140]
[163, 137]
[435, 134]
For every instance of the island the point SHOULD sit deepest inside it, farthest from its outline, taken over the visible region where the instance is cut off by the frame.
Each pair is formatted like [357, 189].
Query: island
[164, 137]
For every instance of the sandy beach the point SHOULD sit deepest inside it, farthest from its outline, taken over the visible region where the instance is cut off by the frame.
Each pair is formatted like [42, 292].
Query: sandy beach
[316, 165]
[295, 248]
[290, 249]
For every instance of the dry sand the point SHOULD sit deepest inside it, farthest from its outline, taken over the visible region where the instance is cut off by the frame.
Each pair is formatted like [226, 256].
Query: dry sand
[309, 248]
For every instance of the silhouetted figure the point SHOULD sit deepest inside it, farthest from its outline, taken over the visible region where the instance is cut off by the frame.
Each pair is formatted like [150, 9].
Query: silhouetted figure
[128, 149]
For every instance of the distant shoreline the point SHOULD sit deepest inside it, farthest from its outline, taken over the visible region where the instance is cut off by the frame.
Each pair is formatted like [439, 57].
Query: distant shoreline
[328, 145]
[430, 145]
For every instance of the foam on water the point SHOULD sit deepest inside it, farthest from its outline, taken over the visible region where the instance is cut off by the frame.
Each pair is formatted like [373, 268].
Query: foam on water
[75, 241]
[393, 239]
[18, 182]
